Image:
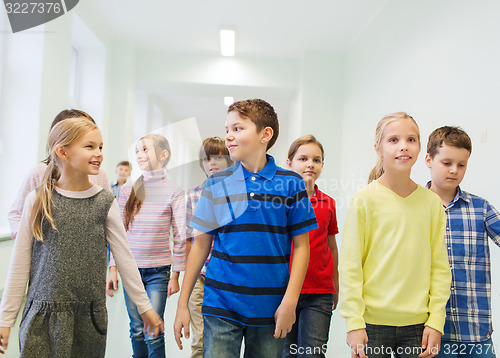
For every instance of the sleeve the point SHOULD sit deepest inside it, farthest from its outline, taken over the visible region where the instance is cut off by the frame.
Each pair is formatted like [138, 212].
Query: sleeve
[301, 217]
[178, 208]
[333, 226]
[189, 215]
[439, 291]
[125, 262]
[492, 222]
[204, 218]
[29, 184]
[19, 269]
[352, 305]
[121, 200]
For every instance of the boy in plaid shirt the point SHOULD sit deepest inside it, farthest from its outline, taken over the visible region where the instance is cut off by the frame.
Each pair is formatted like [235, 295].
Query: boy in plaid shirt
[470, 221]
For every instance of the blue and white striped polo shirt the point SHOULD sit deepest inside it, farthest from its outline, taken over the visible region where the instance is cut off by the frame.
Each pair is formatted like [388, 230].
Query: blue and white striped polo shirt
[253, 217]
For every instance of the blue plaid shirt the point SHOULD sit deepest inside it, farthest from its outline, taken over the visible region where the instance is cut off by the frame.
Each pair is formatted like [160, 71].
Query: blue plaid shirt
[470, 220]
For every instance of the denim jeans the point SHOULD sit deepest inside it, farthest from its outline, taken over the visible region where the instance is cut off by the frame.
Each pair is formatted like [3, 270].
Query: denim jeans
[404, 342]
[452, 349]
[155, 282]
[309, 334]
[223, 337]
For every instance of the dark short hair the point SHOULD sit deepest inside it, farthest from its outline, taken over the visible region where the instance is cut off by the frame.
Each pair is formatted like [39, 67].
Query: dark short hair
[214, 146]
[125, 163]
[259, 112]
[449, 135]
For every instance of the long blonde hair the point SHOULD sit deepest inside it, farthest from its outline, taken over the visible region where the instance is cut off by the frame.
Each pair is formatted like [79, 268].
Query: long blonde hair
[378, 170]
[134, 201]
[63, 134]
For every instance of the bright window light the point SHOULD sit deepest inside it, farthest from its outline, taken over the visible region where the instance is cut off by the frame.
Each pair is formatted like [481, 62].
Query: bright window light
[227, 38]
[228, 101]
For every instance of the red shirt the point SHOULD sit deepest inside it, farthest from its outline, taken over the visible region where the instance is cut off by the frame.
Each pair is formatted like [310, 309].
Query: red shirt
[319, 276]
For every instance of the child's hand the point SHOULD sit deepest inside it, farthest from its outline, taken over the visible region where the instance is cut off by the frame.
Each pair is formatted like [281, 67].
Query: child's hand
[173, 285]
[181, 321]
[284, 318]
[4, 338]
[431, 341]
[335, 301]
[111, 282]
[152, 322]
[357, 340]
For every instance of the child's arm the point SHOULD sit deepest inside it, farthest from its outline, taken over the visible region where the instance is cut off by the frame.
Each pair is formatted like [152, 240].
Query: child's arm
[200, 249]
[357, 340]
[125, 262]
[431, 342]
[492, 222]
[285, 314]
[179, 251]
[19, 269]
[4, 338]
[332, 244]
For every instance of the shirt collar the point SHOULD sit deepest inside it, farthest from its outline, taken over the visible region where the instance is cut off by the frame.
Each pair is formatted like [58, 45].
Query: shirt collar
[460, 195]
[319, 196]
[154, 174]
[268, 172]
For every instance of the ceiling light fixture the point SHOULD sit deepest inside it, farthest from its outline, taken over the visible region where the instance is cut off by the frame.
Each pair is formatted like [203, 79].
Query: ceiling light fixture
[227, 39]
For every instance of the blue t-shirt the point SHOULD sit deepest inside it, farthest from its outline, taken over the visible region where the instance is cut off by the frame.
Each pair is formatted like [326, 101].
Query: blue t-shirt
[253, 217]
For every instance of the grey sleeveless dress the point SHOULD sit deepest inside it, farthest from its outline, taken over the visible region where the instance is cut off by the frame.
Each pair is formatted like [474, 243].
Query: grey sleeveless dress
[65, 313]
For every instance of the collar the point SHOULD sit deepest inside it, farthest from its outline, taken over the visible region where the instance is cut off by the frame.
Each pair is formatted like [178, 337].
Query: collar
[154, 174]
[268, 172]
[114, 183]
[319, 196]
[460, 195]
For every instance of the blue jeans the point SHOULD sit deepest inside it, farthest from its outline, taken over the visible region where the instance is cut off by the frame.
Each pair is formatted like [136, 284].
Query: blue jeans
[452, 349]
[155, 282]
[309, 334]
[222, 338]
[404, 342]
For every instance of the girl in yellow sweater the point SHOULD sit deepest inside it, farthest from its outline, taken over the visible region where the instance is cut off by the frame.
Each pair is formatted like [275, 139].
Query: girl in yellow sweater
[394, 273]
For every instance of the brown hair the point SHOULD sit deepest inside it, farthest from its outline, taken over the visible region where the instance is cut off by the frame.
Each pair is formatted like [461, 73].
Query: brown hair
[297, 143]
[259, 112]
[70, 113]
[125, 163]
[378, 170]
[452, 136]
[134, 202]
[63, 134]
[214, 146]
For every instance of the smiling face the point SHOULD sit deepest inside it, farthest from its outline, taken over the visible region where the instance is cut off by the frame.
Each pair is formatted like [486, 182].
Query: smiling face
[399, 147]
[242, 138]
[85, 155]
[214, 164]
[147, 158]
[448, 167]
[308, 162]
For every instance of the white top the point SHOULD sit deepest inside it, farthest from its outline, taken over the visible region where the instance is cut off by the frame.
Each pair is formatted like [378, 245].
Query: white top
[33, 181]
[20, 265]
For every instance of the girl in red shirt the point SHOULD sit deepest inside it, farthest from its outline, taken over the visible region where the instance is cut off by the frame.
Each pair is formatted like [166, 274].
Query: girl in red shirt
[318, 297]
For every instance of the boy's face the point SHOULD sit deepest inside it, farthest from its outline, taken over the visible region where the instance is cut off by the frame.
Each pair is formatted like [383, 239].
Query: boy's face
[214, 164]
[123, 172]
[448, 167]
[242, 138]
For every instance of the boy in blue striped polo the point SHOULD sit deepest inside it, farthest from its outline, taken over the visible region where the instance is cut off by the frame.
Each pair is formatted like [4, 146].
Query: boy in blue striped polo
[253, 211]
[470, 221]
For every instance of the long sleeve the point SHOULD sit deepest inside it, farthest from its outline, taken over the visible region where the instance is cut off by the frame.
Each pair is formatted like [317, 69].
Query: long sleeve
[30, 183]
[352, 305]
[179, 230]
[19, 269]
[439, 291]
[117, 240]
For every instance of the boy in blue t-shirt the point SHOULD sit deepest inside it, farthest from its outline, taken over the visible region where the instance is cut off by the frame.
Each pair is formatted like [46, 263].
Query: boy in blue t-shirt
[253, 211]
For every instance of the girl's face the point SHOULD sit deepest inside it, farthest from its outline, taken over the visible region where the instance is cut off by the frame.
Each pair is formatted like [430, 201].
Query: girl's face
[399, 147]
[214, 164]
[147, 158]
[308, 162]
[84, 155]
